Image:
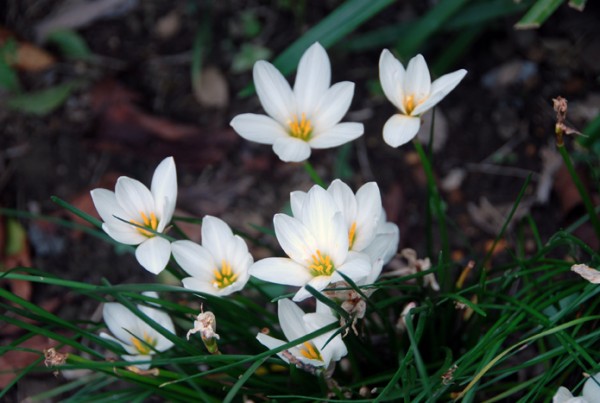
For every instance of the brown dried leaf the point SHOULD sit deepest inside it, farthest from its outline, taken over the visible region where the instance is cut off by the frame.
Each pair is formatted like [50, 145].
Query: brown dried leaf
[211, 89]
[28, 57]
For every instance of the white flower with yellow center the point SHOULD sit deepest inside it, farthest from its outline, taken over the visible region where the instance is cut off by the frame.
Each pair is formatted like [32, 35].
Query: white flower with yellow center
[316, 241]
[590, 393]
[220, 265]
[412, 92]
[363, 213]
[132, 212]
[303, 118]
[138, 338]
[294, 323]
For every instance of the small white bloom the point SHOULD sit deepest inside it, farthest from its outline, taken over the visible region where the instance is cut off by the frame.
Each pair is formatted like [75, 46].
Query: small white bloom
[295, 324]
[137, 337]
[412, 92]
[133, 207]
[316, 242]
[365, 219]
[590, 394]
[218, 267]
[303, 118]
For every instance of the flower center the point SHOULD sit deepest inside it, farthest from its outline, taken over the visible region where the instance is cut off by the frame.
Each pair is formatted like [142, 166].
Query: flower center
[144, 347]
[352, 235]
[300, 129]
[321, 265]
[224, 275]
[309, 351]
[409, 104]
[146, 222]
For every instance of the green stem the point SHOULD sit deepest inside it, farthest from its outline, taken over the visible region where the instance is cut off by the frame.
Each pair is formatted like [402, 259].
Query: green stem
[587, 201]
[437, 205]
[313, 174]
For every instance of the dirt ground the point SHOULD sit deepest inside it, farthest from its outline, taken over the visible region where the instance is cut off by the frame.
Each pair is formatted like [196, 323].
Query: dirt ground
[136, 104]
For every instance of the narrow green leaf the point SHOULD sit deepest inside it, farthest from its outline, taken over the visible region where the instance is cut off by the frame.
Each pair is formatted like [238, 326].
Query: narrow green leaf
[329, 31]
[240, 382]
[427, 25]
[8, 78]
[71, 44]
[538, 14]
[42, 102]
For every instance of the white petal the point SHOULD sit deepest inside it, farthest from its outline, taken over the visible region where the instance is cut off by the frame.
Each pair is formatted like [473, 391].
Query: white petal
[344, 199]
[339, 134]
[258, 128]
[334, 350]
[290, 319]
[163, 319]
[368, 198]
[274, 92]
[391, 75]
[164, 190]
[333, 105]
[357, 266]
[239, 257]
[280, 270]
[194, 259]
[562, 395]
[216, 237]
[119, 321]
[313, 79]
[591, 390]
[134, 198]
[290, 149]
[271, 343]
[124, 233]
[297, 199]
[439, 89]
[317, 215]
[315, 321]
[400, 129]
[129, 348]
[385, 244]
[417, 82]
[153, 254]
[295, 238]
[318, 283]
[195, 284]
[107, 206]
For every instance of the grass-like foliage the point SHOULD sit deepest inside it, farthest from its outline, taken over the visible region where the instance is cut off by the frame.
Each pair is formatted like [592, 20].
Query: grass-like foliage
[503, 327]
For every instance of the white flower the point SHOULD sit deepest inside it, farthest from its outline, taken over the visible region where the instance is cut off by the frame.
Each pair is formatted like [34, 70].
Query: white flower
[303, 118]
[363, 213]
[137, 337]
[295, 324]
[218, 267]
[316, 242]
[590, 394]
[412, 92]
[132, 207]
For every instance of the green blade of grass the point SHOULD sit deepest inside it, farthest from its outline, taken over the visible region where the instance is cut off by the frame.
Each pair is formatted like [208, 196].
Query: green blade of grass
[42, 102]
[427, 25]
[329, 31]
[538, 14]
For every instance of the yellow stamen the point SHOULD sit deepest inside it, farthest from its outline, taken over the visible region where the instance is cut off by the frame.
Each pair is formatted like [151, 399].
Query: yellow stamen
[146, 222]
[321, 265]
[224, 275]
[409, 104]
[352, 235]
[309, 351]
[144, 347]
[300, 129]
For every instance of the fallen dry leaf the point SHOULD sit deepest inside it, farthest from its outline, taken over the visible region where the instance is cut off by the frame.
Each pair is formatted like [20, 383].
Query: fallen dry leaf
[28, 57]
[211, 88]
[589, 274]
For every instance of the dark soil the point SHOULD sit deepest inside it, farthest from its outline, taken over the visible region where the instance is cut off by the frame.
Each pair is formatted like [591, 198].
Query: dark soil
[498, 120]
